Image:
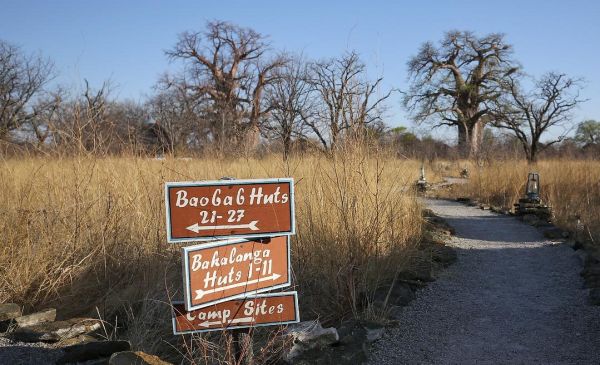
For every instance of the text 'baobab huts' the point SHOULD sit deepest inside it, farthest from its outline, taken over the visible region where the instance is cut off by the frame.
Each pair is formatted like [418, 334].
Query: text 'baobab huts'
[254, 196]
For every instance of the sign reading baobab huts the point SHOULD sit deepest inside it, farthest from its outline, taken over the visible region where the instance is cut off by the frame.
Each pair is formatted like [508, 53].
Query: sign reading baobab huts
[255, 311]
[199, 211]
[224, 270]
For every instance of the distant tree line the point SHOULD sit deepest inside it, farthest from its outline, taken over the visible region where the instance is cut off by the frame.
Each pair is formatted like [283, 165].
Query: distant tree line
[236, 94]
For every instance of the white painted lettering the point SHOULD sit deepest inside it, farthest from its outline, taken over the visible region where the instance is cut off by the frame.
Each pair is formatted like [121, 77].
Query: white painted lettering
[181, 201]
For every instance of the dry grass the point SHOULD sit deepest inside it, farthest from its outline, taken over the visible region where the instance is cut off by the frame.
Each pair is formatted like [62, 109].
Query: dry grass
[87, 234]
[571, 187]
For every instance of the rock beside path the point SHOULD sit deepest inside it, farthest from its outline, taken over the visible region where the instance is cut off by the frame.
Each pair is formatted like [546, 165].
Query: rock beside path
[38, 339]
[310, 336]
[56, 331]
[92, 351]
[398, 294]
[9, 311]
[352, 342]
[555, 233]
[77, 340]
[531, 219]
[44, 316]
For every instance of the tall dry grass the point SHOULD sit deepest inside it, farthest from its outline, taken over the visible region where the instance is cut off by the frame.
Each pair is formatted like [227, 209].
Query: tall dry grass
[571, 187]
[87, 235]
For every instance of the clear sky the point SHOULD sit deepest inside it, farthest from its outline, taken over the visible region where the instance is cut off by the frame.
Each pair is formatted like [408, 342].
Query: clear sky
[124, 40]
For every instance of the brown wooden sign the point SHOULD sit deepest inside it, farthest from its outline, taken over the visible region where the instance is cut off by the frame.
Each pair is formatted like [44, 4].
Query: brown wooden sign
[224, 270]
[256, 311]
[199, 211]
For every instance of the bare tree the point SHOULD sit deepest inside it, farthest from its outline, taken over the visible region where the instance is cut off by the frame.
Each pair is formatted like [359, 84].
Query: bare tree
[348, 101]
[44, 116]
[291, 102]
[93, 122]
[529, 115]
[127, 118]
[182, 117]
[227, 66]
[22, 77]
[458, 83]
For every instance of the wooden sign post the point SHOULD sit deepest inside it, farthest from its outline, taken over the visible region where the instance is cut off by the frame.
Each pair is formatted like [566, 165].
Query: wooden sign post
[200, 211]
[224, 270]
[255, 311]
[223, 279]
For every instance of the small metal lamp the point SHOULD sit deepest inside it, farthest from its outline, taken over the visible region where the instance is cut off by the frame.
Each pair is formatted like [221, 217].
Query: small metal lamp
[422, 182]
[533, 186]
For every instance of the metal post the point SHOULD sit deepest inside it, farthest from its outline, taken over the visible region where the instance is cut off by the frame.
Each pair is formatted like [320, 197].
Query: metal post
[242, 346]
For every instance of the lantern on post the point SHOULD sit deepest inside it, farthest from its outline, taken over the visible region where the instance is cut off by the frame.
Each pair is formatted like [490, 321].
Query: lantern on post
[532, 190]
[421, 184]
[531, 203]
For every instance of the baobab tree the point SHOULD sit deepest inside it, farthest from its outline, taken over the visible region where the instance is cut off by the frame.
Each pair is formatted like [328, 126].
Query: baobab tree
[228, 67]
[458, 84]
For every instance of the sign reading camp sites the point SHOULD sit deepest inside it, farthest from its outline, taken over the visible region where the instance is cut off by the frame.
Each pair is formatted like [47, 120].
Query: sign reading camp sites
[224, 270]
[200, 211]
[259, 310]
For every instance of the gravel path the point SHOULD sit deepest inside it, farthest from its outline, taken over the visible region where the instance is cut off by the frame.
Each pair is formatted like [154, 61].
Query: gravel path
[511, 298]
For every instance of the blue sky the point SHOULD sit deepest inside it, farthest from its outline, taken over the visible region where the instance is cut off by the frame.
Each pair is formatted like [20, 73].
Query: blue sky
[124, 40]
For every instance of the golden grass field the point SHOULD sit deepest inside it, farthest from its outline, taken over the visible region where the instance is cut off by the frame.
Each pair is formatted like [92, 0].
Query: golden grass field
[87, 234]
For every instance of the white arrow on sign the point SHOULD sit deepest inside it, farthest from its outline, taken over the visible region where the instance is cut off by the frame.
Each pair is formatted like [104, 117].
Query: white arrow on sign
[207, 324]
[200, 293]
[197, 228]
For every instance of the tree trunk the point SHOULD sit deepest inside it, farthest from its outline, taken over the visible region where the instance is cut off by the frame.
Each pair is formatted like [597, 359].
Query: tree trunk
[476, 138]
[251, 139]
[333, 137]
[287, 146]
[533, 150]
[469, 139]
